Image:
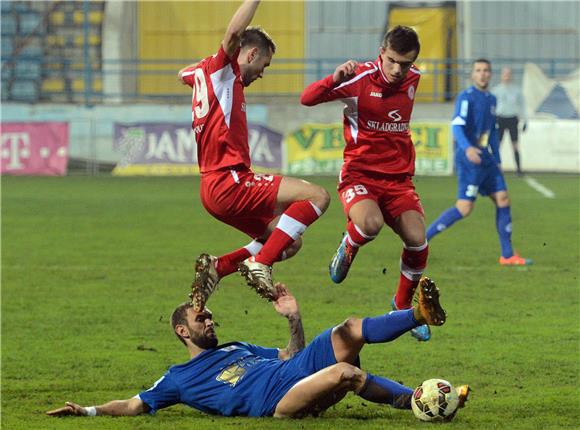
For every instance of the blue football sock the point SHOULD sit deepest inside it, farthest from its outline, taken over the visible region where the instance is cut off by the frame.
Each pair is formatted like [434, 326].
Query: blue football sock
[445, 220]
[503, 222]
[388, 327]
[382, 390]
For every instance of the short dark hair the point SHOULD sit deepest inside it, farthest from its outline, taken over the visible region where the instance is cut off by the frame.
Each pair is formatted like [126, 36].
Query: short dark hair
[402, 39]
[179, 317]
[481, 60]
[257, 37]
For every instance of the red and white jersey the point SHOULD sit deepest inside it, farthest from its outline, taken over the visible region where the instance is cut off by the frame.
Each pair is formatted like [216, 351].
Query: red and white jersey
[376, 118]
[218, 112]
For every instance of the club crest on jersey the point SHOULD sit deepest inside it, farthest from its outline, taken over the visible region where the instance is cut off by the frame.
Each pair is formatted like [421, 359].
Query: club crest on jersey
[394, 115]
[411, 92]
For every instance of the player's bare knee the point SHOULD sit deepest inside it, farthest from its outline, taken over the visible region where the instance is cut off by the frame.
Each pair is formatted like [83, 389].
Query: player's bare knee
[371, 226]
[347, 376]
[464, 207]
[415, 238]
[351, 328]
[320, 197]
[502, 201]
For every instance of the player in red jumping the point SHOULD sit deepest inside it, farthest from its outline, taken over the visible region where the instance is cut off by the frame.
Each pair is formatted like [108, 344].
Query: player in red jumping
[375, 185]
[273, 210]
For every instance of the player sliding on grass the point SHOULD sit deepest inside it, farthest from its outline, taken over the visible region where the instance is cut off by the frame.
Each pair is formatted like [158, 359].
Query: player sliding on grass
[240, 379]
[477, 161]
[273, 210]
[375, 183]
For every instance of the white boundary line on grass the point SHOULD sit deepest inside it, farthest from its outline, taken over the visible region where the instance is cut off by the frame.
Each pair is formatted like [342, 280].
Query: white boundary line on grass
[546, 192]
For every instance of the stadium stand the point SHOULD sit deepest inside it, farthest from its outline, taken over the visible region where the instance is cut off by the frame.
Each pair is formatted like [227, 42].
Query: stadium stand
[43, 48]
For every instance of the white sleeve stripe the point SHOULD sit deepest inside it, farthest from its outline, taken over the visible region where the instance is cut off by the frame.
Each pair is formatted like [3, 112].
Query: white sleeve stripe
[187, 73]
[356, 78]
[418, 72]
[458, 121]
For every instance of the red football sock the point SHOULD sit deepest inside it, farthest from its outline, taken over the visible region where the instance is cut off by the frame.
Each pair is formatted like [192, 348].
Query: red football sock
[292, 224]
[413, 262]
[228, 264]
[356, 237]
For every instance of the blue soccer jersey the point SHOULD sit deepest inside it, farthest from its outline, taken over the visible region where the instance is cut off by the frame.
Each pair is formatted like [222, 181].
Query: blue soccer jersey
[237, 379]
[474, 125]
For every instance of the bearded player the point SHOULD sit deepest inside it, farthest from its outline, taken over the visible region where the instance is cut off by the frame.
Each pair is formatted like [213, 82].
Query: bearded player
[273, 210]
[375, 182]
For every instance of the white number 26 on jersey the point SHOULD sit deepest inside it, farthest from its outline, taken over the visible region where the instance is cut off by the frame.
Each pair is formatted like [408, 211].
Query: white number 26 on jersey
[350, 193]
[201, 103]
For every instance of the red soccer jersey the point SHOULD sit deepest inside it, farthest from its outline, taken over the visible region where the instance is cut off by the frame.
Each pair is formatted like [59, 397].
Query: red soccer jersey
[218, 112]
[376, 118]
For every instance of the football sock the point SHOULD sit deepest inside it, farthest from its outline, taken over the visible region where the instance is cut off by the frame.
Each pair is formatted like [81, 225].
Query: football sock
[445, 220]
[517, 157]
[378, 389]
[503, 222]
[355, 235]
[413, 262]
[388, 327]
[228, 264]
[292, 224]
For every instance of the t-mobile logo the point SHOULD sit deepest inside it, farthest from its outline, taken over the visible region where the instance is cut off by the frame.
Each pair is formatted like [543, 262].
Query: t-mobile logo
[15, 148]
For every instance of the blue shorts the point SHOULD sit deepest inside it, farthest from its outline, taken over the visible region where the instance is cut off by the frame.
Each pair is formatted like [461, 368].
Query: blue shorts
[474, 179]
[315, 357]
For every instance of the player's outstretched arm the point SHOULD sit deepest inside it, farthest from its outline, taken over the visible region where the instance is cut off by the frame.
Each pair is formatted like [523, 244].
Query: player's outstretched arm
[180, 73]
[238, 24]
[129, 407]
[287, 306]
[325, 90]
[344, 72]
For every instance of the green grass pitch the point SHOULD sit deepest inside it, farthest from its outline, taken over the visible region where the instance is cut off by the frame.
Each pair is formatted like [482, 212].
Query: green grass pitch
[92, 267]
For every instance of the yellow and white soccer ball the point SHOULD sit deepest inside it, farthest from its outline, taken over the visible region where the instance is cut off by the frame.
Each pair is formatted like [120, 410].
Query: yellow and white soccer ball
[434, 400]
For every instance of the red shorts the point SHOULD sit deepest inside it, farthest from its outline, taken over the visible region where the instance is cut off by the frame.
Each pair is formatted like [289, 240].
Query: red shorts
[394, 195]
[242, 199]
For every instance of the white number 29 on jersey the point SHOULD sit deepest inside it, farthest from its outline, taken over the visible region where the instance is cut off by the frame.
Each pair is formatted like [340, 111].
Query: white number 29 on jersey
[350, 193]
[201, 103]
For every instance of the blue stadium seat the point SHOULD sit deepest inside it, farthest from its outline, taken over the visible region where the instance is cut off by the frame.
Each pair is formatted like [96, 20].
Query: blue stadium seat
[25, 90]
[4, 90]
[6, 6]
[6, 72]
[29, 22]
[28, 70]
[7, 45]
[21, 6]
[33, 48]
[8, 25]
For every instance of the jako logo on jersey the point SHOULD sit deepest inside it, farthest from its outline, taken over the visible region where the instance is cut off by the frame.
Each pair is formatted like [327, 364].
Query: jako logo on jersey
[394, 115]
[376, 94]
[411, 92]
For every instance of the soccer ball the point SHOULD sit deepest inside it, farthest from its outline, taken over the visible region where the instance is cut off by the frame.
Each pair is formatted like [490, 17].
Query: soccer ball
[434, 400]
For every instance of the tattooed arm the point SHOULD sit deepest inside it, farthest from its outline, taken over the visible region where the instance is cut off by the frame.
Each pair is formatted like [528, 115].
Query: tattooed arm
[287, 306]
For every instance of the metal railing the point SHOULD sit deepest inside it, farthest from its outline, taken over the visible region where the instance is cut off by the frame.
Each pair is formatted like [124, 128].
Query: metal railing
[92, 82]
